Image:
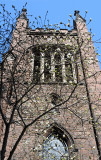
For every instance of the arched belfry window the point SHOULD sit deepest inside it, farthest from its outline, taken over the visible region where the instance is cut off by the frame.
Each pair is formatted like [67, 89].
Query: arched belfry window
[47, 67]
[58, 67]
[68, 67]
[52, 64]
[57, 145]
[36, 65]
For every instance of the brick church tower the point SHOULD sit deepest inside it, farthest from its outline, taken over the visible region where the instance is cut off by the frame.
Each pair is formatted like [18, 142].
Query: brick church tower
[51, 94]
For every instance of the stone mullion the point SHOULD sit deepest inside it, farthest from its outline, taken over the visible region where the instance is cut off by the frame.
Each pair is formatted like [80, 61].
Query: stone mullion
[42, 67]
[63, 68]
[73, 69]
[33, 59]
[52, 68]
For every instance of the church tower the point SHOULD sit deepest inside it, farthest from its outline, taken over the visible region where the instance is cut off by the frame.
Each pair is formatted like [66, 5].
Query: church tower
[52, 85]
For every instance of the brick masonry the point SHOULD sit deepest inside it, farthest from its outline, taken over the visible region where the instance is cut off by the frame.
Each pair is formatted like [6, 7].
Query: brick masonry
[78, 117]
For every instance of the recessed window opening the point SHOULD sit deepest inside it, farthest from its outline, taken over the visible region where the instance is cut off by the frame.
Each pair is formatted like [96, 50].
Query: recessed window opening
[58, 68]
[55, 98]
[55, 147]
[68, 68]
[52, 65]
[36, 72]
[47, 67]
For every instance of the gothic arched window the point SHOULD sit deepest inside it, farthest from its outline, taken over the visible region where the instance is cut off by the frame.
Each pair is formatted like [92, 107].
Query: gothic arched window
[55, 148]
[68, 67]
[52, 65]
[36, 71]
[47, 67]
[57, 145]
[58, 67]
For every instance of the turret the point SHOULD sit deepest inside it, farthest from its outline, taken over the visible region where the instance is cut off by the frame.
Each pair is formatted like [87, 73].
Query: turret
[22, 21]
[79, 22]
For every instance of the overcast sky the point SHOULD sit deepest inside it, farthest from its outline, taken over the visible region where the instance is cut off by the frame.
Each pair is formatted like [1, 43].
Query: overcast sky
[59, 10]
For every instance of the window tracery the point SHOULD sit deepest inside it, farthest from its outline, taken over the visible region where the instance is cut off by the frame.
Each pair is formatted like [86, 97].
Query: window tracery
[52, 65]
[56, 146]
